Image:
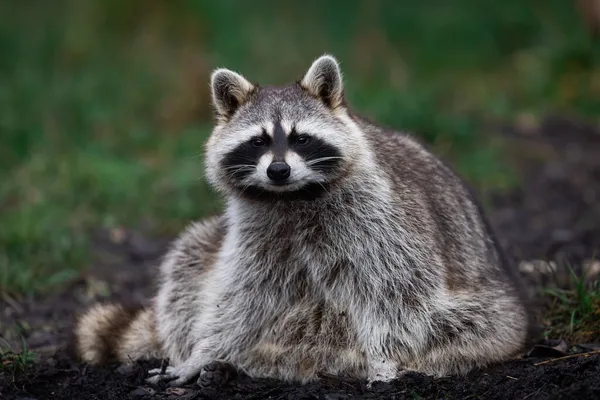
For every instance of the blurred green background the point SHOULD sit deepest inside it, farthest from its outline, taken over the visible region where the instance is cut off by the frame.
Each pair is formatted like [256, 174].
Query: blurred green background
[104, 105]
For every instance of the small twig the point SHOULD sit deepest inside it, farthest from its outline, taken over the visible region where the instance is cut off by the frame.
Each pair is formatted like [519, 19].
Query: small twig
[569, 356]
[512, 377]
[163, 365]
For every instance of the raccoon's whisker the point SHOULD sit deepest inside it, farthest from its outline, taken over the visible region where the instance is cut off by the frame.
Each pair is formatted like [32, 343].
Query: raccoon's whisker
[246, 158]
[318, 160]
[239, 166]
[244, 188]
[233, 171]
[323, 186]
[317, 151]
[232, 175]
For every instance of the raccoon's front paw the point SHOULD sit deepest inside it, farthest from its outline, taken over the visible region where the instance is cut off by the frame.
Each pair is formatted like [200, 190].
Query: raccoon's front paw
[382, 371]
[161, 375]
[176, 376]
[216, 373]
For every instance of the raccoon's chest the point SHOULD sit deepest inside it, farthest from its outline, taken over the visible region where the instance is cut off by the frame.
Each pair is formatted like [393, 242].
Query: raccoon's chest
[310, 337]
[324, 240]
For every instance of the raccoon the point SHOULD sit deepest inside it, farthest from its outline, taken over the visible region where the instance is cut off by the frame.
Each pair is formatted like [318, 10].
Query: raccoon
[345, 249]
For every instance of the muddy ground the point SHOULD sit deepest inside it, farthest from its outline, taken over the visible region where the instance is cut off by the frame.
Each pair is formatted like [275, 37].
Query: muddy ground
[554, 215]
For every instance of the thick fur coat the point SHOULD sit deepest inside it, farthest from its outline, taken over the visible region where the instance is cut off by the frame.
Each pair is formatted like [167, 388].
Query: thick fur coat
[345, 249]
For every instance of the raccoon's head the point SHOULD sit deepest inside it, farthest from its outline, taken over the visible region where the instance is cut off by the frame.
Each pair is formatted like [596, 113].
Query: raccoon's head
[288, 142]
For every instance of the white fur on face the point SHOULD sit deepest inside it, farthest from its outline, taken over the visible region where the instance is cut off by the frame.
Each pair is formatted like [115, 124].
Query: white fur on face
[229, 140]
[259, 177]
[300, 173]
[343, 134]
[223, 141]
[344, 137]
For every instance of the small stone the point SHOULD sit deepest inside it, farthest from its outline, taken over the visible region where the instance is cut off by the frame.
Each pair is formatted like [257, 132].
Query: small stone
[176, 391]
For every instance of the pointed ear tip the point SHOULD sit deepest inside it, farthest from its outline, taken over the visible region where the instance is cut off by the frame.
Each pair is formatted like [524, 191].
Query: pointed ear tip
[222, 75]
[328, 58]
[218, 72]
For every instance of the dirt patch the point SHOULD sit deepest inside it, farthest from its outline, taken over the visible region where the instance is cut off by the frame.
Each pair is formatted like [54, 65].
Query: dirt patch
[574, 378]
[553, 216]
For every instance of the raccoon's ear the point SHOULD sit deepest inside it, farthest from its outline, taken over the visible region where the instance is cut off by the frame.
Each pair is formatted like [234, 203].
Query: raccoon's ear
[324, 81]
[229, 91]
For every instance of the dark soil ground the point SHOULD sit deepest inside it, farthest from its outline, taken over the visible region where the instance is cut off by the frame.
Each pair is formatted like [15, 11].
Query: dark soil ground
[553, 216]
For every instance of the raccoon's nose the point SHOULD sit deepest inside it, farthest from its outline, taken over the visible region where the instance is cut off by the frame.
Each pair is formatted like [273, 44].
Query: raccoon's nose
[278, 171]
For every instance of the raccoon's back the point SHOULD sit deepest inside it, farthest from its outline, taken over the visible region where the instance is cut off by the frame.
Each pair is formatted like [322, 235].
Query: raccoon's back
[442, 203]
[450, 208]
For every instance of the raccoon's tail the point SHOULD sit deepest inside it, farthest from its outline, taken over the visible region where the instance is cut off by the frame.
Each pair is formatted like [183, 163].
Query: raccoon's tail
[111, 332]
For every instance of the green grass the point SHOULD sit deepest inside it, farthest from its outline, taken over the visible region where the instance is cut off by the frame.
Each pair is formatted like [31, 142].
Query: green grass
[104, 105]
[12, 363]
[574, 314]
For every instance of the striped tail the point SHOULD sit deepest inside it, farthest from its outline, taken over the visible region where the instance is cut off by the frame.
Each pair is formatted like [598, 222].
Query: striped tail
[111, 332]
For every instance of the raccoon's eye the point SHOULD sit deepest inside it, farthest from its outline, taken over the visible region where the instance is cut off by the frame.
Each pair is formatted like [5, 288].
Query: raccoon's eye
[303, 140]
[258, 142]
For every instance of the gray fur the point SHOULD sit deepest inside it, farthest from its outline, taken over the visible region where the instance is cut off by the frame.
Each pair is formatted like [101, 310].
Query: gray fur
[392, 269]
